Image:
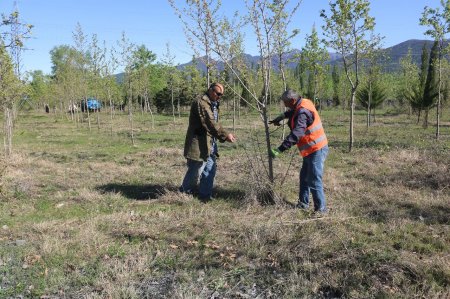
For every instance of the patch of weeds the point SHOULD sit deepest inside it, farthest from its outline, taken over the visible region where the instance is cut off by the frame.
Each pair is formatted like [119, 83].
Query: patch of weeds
[56, 157]
[116, 251]
[19, 193]
[417, 240]
[377, 257]
[167, 262]
[440, 276]
[22, 274]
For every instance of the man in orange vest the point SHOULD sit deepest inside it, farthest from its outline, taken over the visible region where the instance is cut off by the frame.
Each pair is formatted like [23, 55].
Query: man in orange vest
[307, 132]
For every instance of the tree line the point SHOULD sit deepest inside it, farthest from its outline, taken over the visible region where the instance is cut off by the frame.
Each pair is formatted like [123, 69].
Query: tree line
[149, 84]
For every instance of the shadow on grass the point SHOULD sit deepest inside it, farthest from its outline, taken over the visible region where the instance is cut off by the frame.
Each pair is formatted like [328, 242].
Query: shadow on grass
[154, 191]
[434, 214]
[233, 195]
[138, 192]
[365, 144]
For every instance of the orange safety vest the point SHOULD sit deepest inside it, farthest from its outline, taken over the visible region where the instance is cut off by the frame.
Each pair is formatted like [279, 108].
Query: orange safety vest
[314, 138]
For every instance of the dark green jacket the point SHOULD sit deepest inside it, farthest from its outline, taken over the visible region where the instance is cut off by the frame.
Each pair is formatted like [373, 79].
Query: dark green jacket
[200, 130]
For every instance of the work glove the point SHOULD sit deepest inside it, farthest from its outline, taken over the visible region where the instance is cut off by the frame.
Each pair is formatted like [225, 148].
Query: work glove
[276, 121]
[274, 153]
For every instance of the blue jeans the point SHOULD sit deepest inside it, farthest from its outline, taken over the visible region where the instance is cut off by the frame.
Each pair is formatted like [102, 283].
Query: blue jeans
[311, 180]
[206, 171]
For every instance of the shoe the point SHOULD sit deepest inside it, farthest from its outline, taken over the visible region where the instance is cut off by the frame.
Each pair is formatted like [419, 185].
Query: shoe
[301, 206]
[205, 199]
[320, 213]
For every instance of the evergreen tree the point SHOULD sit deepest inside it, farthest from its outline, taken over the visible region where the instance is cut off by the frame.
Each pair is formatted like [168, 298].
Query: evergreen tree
[424, 66]
[335, 80]
[430, 91]
[374, 92]
[410, 87]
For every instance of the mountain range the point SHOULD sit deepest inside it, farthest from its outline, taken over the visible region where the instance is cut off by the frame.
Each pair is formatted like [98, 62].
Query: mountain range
[394, 54]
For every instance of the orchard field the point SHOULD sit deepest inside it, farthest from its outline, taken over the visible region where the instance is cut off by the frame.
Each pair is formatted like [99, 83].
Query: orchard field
[85, 214]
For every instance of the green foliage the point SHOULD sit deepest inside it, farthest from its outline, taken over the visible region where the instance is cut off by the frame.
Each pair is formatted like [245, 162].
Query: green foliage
[163, 100]
[192, 84]
[142, 58]
[39, 87]
[414, 96]
[372, 91]
[314, 55]
[335, 80]
[65, 58]
[430, 91]
[347, 29]
[437, 20]
[10, 86]
[245, 95]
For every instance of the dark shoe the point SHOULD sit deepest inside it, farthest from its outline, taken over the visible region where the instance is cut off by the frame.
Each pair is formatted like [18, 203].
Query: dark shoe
[301, 206]
[205, 199]
[320, 213]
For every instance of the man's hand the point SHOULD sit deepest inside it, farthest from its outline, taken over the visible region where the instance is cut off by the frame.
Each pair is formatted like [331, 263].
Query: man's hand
[276, 121]
[274, 153]
[231, 138]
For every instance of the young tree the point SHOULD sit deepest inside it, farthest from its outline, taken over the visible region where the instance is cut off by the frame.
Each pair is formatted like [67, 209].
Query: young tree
[126, 61]
[10, 83]
[409, 79]
[373, 73]
[348, 29]
[315, 56]
[171, 74]
[10, 90]
[141, 67]
[281, 40]
[109, 81]
[431, 88]
[66, 77]
[263, 16]
[440, 26]
[335, 82]
[39, 88]
[195, 17]
[371, 95]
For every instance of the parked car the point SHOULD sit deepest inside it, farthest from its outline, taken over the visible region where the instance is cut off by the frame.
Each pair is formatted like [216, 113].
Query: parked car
[92, 104]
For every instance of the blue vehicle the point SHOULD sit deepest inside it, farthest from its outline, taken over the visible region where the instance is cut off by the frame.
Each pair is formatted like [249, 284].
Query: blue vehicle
[92, 104]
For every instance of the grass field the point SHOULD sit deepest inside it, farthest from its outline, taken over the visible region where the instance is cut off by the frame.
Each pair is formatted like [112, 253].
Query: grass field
[84, 214]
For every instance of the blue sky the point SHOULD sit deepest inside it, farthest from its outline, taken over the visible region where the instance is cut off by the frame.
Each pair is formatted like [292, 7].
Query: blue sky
[154, 24]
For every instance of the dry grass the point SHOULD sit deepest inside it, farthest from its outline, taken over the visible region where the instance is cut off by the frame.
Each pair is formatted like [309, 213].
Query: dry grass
[107, 224]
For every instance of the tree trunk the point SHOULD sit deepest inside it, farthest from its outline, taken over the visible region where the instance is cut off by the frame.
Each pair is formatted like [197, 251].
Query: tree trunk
[110, 110]
[149, 109]
[8, 124]
[130, 114]
[368, 104]
[425, 118]
[234, 107]
[352, 110]
[173, 104]
[438, 115]
[267, 133]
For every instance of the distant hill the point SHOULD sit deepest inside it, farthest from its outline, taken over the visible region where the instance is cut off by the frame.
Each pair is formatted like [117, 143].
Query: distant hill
[397, 52]
[394, 54]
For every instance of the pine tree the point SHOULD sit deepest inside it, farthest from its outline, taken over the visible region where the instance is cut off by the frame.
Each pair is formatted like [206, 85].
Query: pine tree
[335, 79]
[430, 91]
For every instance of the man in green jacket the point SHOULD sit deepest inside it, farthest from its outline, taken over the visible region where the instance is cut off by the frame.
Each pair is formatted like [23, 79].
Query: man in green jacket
[200, 147]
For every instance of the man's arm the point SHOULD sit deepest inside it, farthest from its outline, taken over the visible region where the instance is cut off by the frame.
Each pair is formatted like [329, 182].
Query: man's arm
[303, 119]
[208, 123]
